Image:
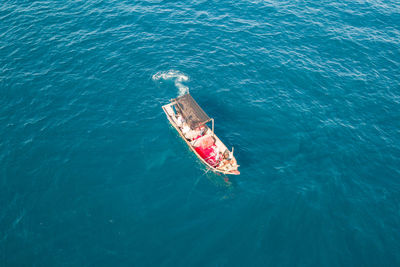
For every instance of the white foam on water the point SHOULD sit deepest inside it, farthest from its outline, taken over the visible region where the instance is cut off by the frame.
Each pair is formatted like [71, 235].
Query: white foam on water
[175, 75]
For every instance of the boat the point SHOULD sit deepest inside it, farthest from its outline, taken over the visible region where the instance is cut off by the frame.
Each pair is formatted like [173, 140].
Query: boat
[192, 124]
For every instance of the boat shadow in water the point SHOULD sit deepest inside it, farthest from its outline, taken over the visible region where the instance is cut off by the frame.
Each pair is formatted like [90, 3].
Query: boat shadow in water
[218, 179]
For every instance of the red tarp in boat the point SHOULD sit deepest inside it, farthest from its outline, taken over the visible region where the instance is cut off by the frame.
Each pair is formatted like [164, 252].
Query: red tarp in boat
[208, 150]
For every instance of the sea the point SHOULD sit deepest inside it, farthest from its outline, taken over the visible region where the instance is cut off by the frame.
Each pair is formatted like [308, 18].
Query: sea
[307, 93]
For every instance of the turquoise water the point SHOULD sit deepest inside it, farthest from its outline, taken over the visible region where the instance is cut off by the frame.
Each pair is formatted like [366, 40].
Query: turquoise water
[307, 92]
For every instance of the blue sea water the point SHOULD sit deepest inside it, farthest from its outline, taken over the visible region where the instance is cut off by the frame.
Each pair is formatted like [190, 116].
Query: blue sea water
[308, 93]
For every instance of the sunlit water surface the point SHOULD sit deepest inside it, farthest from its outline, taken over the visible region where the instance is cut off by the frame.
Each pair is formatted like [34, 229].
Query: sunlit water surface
[308, 93]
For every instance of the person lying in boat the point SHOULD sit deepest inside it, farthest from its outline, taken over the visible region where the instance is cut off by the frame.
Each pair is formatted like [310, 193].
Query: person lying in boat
[180, 120]
[186, 131]
[199, 132]
[193, 134]
[226, 162]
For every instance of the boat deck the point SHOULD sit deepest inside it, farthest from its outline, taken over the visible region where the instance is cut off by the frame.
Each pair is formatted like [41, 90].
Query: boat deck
[225, 169]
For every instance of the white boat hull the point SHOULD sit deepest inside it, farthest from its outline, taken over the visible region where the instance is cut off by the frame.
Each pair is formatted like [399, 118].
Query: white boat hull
[171, 115]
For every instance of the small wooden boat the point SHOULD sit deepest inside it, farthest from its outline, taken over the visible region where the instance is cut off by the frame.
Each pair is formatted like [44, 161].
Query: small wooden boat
[190, 121]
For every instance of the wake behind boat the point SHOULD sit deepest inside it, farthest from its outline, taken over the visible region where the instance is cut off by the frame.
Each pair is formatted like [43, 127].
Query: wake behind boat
[190, 121]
